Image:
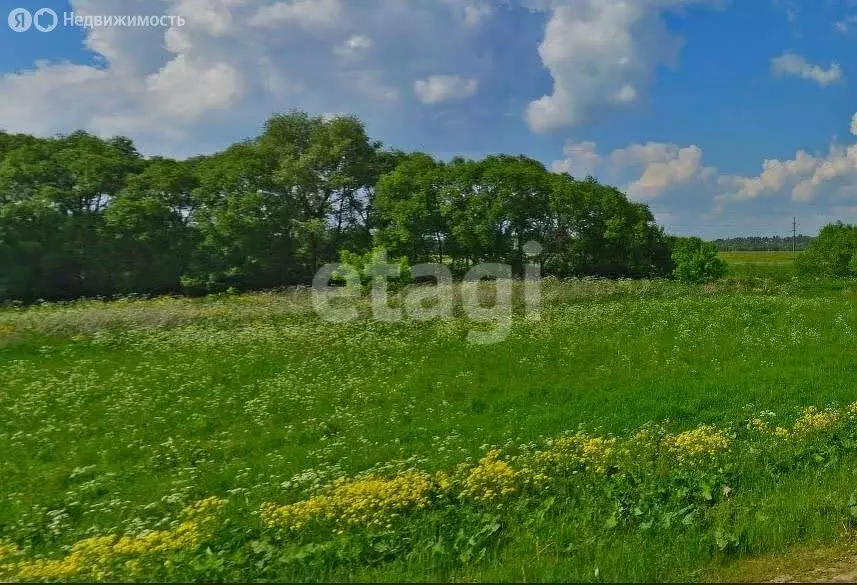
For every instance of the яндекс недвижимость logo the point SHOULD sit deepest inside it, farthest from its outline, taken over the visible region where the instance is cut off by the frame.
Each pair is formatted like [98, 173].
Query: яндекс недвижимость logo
[44, 20]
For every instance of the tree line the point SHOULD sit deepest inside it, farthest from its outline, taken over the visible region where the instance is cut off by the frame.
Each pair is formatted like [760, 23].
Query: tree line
[763, 243]
[86, 216]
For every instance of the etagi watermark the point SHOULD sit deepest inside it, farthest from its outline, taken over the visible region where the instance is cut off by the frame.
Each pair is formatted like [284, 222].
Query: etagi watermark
[45, 20]
[436, 301]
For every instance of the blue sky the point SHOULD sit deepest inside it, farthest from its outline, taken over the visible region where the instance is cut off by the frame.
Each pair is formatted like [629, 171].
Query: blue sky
[726, 117]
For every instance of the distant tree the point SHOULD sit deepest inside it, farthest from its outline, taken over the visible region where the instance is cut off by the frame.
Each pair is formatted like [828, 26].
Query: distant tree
[762, 243]
[832, 253]
[696, 261]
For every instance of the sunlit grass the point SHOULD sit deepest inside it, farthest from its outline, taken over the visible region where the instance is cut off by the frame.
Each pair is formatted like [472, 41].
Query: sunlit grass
[761, 257]
[114, 416]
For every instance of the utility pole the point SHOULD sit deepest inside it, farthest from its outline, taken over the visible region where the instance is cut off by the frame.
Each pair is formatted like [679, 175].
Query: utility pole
[794, 236]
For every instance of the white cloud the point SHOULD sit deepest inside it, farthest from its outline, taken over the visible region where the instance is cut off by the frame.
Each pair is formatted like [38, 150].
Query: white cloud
[691, 198]
[184, 90]
[840, 163]
[646, 170]
[476, 13]
[372, 85]
[214, 17]
[602, 55]
[854, 124]
[678, 166]
[626, 94]
[581, 159]
[844, 25]
[804, 177]
[775, 176]
[25, 107]
[791, 64]
[471, 12]
[442, 88]
[354, 46]
[663, 166]
[307, 14]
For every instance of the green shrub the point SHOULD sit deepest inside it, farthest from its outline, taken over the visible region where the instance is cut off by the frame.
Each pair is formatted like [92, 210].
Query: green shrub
[372, 263]
[832, 253]
[697, 261]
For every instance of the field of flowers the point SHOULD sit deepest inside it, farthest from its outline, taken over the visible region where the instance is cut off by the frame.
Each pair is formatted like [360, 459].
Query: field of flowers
[638, 431]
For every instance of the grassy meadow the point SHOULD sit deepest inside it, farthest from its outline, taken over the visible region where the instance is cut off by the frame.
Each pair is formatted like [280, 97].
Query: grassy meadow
[640, 430]
[777, 264]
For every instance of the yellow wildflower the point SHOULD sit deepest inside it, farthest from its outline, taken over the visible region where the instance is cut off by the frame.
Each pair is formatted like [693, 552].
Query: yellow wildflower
[95, 558]
[186, 535]
[443, 481]
[204, 510]
[7, 550]
[760, 425]
[812, 419]
[490, 479]
[370, 501]
[595, 453]
[703, 440]
[88, 558]
[533, 477]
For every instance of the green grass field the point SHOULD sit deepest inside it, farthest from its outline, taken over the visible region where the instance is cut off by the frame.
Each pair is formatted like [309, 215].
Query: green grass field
[760, 257]
[776, 265]
[358, 451]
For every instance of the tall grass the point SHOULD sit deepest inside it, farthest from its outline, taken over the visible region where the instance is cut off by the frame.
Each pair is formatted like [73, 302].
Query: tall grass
[114, 417]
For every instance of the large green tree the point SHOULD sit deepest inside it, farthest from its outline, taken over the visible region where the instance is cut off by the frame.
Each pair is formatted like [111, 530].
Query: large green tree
[832, 253]
[407, 205]
[67, 183]
[81, 215]
[146, 228]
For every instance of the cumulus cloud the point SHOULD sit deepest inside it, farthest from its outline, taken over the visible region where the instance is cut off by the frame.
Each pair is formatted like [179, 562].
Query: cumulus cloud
[602, 55]
[775, 175]
[472, 12]
[841, 162]
[307, 14]
[173, 88]
[662, 167]
[791, 64]
[690, 197]
[371, 84]
[803, 177]
[854, 124]
[674, 166]
[646, 170]
[443, 88]
[581, 159]
[181, 90]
